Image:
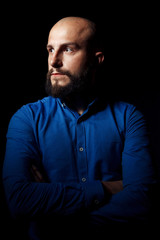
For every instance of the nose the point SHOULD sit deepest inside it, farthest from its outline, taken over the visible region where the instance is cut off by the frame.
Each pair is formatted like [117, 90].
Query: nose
[56, 61]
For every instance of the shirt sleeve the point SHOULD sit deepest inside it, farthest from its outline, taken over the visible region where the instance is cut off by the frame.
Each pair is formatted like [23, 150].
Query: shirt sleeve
[31, 199]
[134, 203]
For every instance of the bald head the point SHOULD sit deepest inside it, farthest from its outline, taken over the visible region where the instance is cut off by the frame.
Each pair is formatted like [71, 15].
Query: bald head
[73, 58]
[75, 28]
[78, 21]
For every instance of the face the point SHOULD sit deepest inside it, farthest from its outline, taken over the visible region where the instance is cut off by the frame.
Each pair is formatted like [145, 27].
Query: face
[70, 65]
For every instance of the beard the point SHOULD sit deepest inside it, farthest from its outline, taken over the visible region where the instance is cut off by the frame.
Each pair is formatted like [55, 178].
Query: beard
[78, 84]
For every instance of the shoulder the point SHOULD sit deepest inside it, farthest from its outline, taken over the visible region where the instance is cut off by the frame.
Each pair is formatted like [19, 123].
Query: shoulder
[40, 105]
[121, 106]
[126, 114]
[120, 110]
[32, 111]
[124, 109]
[43, 104]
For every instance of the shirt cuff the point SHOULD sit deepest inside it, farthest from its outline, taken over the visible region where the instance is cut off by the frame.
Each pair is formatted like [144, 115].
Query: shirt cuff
[94, 194]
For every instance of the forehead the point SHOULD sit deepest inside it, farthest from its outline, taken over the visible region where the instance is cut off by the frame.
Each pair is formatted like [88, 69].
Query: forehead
[69, 31]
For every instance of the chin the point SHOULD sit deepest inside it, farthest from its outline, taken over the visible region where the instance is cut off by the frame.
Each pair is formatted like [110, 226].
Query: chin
[59, 81]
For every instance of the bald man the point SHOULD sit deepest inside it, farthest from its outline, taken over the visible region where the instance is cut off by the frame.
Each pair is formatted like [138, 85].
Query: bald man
[73, 159]
[73, 61]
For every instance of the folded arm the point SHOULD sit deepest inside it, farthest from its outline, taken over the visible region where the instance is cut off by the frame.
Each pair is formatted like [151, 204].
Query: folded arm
[134, 202]
[30, 198]
[37, 198]
[110, 187]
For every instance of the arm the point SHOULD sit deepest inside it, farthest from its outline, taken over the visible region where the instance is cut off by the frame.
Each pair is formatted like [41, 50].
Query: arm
[28, 198]
[110, 187]
[133, 202]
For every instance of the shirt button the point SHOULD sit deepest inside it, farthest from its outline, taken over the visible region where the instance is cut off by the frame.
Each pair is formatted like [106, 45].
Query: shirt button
[96, 201]
[83, 179]
[81, 149]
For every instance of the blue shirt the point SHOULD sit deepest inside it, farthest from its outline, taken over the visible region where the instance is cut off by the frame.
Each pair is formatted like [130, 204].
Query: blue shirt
[109, 141]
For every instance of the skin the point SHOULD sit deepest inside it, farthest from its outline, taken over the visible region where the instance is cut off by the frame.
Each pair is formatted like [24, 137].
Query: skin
[68, 51]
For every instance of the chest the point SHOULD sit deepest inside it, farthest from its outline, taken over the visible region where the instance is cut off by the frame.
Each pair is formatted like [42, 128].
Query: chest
[93, 146]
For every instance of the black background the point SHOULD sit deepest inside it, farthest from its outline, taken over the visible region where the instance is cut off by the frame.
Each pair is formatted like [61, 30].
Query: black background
[131, 60]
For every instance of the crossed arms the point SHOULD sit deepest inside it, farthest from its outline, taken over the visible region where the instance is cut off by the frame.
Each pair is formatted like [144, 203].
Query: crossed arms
[39, 197]
[110, 187]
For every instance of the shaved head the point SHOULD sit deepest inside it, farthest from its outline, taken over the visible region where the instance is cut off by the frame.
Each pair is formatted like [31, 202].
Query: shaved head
[73, 56]
[76, 26]
[77, 20]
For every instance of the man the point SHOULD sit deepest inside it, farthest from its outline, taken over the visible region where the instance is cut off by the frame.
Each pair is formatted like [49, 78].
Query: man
[73, 159]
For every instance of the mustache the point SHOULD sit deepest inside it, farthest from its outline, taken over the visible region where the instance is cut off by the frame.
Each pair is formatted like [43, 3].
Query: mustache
[59, 71]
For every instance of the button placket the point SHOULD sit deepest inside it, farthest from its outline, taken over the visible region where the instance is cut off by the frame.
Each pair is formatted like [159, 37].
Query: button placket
[81, 152]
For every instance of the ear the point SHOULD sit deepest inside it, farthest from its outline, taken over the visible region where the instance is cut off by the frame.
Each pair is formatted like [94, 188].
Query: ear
[99, 57]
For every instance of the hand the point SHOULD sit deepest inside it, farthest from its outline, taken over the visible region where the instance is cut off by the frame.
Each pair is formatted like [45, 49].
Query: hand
[112, 187]
[37, 175]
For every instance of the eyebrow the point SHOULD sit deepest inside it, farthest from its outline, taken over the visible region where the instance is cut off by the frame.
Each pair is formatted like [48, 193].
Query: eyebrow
[64, 44]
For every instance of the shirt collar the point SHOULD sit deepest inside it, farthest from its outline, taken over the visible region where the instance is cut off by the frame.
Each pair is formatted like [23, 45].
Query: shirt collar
[63, 104]
[91, 106]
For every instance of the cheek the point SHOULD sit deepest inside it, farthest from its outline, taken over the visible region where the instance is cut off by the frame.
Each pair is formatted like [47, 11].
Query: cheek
[76, 65]
[49, 63]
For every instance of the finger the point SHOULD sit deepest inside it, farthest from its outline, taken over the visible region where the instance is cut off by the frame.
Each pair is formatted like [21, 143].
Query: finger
[36, 174]
[113, 186]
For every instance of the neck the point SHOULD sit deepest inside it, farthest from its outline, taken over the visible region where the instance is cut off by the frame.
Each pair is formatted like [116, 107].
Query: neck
[79, 102]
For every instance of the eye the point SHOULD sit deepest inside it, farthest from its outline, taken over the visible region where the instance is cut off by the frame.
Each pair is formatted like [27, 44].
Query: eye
[68, 49]
[51, 50]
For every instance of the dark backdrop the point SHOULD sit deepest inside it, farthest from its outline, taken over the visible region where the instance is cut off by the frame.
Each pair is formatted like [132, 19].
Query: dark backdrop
[131, 62]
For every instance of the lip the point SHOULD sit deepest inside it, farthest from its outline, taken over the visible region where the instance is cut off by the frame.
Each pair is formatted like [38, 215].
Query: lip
[57, 74]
